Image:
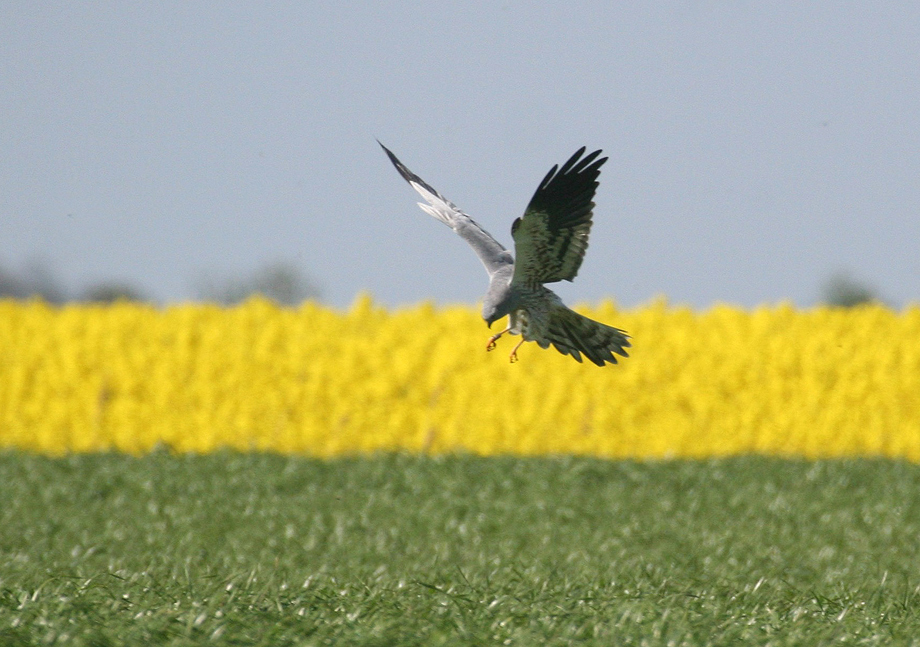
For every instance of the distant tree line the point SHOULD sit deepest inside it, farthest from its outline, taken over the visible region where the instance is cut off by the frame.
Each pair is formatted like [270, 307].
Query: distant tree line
[844, 291]
[281, 281]
[285, 283]
[34, 280]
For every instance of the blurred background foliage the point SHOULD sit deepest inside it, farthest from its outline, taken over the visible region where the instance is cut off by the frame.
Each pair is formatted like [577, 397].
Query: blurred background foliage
[281, 281]
[285, 283]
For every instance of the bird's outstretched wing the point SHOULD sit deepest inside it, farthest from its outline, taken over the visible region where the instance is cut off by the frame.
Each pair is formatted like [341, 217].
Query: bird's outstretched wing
[573, 334]
[493, 256]
[551, 237]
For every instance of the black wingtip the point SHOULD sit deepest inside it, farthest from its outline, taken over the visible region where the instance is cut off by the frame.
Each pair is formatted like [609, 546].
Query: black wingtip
[578, 164]
[389, 153]
[408, 175]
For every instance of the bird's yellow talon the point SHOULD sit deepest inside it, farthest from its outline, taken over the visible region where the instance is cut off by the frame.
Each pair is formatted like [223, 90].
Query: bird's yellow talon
[513, 357]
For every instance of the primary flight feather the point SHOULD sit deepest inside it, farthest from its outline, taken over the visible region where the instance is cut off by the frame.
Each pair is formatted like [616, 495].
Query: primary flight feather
[550, 241]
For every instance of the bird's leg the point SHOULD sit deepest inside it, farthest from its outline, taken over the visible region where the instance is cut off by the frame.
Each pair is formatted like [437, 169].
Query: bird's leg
[494, 338]
[513, 357]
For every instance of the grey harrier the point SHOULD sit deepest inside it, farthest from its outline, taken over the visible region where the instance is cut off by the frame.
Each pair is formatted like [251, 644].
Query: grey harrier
[550, 240]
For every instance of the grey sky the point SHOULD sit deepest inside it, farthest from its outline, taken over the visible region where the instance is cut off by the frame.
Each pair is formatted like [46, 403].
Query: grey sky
[755, 148]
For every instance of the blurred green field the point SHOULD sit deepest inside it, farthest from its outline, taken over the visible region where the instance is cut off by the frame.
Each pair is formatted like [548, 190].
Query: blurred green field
[254, 549]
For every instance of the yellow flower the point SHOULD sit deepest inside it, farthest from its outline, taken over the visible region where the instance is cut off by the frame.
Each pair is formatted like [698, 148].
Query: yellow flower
[316, 381]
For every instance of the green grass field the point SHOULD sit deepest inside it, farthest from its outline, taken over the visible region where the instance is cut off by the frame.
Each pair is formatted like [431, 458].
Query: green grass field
[231, 549]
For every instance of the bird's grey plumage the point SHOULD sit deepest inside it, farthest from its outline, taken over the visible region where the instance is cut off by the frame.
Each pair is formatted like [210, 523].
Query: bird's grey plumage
[550, 241]
[493, 256]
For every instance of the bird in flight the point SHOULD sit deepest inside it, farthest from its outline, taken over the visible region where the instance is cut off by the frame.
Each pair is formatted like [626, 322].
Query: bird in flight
[550, 240]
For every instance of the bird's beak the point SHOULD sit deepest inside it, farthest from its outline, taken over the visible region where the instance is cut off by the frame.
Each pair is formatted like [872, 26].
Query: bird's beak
[489, 323]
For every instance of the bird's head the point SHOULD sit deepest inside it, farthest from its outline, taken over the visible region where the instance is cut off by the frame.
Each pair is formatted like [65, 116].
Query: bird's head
[500, 300]
[491, 313]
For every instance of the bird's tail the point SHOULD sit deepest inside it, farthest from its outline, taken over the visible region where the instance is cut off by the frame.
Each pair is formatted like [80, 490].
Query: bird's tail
[572, 334]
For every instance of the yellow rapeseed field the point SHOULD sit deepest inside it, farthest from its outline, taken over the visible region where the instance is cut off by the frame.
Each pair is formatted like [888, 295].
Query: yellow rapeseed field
[313, 380]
